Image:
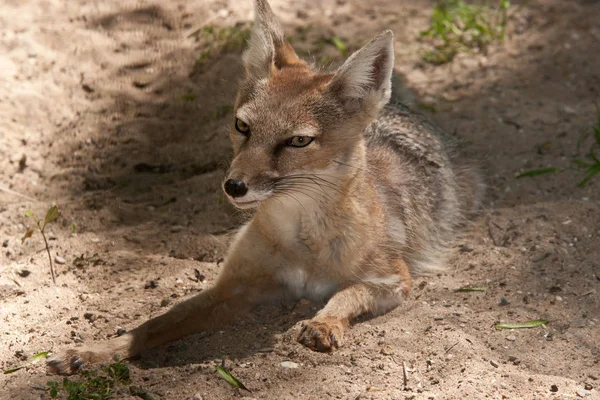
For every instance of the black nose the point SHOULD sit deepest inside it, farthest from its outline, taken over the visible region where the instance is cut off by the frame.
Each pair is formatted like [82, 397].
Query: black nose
[235, 188]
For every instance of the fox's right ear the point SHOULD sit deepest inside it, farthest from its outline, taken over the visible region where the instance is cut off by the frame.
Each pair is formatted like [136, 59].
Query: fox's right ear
[267, 48]
[363, 82]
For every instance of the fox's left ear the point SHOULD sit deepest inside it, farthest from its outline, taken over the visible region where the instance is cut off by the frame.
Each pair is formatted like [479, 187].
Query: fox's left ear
[363, 82]
[267, 48]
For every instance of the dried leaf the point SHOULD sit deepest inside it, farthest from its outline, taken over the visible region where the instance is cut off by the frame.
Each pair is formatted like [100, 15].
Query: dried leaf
[232, 380]
[51, 215]
[472, 289]
[529, 324]
[27, 235]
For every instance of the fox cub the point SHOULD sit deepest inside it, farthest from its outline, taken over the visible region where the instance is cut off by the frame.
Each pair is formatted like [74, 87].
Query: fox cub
[352, 197]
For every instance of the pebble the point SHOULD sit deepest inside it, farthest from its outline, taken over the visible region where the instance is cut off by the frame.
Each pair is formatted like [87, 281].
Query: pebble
[582, 393]
[59, 260]
[165, 302]
[151, 285]
[199, 276]
[177, 228]
[494, 363]
[90, 316]
[24, 273]
[121, 331]
[195, 397]
[511, 338]
[588, 386]
[289, 364]
[554, 388]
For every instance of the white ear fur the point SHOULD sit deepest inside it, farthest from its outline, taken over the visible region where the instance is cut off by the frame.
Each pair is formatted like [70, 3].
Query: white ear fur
[266, 36]
[364, 81]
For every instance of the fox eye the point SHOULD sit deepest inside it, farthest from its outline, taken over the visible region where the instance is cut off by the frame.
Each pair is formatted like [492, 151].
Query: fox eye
[242, 127]
[300, 141]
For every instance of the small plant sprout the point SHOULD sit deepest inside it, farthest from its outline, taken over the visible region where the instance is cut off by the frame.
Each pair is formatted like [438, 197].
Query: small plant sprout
[591, 167]
[97, 385]
[457, 26]
[51, 215]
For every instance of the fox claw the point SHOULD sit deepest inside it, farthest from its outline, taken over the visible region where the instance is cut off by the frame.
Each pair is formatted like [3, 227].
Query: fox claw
[321, 336]
[67, 364]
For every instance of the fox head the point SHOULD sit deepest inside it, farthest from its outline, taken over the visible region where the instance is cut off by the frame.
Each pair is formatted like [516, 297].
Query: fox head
[297, 131]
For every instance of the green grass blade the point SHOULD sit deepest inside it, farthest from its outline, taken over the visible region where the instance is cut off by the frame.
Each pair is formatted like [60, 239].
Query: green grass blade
[340, 45]
[529, 324]
[581, 163]
[33, 360]
[42, 355]
[597, 127]
[14, 369]
[594, 157]
[232, 380]
[591, 172]
[537, 172]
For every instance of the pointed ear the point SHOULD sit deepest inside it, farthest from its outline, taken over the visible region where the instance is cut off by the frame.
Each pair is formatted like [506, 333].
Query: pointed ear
[267, 48]
[363, 83]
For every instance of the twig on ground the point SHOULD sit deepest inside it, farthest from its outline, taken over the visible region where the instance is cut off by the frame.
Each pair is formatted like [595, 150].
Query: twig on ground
[451, 347]
[10, 191]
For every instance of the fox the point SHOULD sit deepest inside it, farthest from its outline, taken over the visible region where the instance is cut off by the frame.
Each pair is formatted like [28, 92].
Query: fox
[351, 197]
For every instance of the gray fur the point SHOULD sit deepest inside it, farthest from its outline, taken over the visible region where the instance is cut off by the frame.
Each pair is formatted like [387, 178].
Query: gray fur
[431, 194]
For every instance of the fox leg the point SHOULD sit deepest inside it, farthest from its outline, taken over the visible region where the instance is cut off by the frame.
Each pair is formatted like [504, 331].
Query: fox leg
[325, 332]
[234, 294]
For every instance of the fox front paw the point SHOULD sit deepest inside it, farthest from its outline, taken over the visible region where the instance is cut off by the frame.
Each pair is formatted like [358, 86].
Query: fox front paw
[70, 361]
[323, 335]
[67, 362]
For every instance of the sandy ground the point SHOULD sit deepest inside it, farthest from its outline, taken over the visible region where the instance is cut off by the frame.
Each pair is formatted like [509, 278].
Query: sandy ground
[117, 112]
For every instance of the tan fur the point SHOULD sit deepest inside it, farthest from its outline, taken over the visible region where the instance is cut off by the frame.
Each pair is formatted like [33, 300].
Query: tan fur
[375, 197]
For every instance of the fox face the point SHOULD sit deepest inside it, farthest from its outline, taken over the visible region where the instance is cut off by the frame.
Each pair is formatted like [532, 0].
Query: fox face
[297, 131]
